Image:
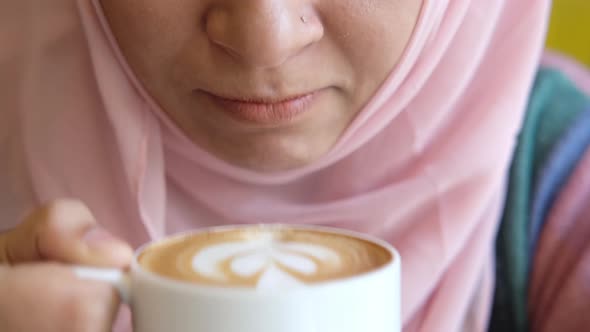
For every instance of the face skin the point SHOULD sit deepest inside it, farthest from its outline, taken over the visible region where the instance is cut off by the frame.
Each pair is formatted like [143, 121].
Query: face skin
[194, 56]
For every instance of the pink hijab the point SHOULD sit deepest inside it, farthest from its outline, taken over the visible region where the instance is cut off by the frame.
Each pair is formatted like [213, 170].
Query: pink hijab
[423, 166]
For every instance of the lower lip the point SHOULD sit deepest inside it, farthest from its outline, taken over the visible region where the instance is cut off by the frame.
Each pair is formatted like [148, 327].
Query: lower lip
[266, 113]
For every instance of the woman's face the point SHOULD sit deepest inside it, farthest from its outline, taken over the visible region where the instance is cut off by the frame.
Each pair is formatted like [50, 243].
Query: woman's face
[268, 85]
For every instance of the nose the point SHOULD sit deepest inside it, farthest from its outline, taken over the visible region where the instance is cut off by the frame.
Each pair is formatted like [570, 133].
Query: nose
[262, 33]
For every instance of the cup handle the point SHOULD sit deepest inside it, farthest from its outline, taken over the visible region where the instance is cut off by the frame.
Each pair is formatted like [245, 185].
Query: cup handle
[117, 278]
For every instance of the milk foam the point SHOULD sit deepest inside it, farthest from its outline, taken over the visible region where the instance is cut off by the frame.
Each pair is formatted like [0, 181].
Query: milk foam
[262, 257]
[274, 263]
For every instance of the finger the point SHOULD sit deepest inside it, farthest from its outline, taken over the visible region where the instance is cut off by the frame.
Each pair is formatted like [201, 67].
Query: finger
[49, 297]
[64, 231]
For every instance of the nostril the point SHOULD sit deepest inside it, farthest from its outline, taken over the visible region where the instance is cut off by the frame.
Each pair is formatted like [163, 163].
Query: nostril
[221, 32]
[260, 36]
[215, 23]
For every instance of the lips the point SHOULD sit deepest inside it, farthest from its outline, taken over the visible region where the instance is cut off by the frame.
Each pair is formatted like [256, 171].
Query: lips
[265, 111]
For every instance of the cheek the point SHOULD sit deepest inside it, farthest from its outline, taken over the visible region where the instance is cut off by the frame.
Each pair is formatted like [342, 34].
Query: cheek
[373, 34]
[370, 35]
[151, 32]
[363, 40]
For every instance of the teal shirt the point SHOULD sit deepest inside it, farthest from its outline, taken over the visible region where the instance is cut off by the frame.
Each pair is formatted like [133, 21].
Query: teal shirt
[555, 134]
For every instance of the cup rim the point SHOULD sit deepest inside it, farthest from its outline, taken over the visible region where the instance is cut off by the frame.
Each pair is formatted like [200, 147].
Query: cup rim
[393, 261]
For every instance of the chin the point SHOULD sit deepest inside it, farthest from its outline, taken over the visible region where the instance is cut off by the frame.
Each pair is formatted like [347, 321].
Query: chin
[273, 163]
[271, 150]
[273, 159]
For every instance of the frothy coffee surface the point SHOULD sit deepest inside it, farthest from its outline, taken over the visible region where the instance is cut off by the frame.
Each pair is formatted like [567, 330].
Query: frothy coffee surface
[260, 257]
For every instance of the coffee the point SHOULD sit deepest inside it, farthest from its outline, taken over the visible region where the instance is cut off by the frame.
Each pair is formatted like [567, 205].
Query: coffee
[263, 257]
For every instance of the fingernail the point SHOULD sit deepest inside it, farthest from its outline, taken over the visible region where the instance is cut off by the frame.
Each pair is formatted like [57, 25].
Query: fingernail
[97, 236]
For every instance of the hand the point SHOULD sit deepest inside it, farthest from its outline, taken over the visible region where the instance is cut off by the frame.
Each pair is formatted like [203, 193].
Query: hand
[39, 291]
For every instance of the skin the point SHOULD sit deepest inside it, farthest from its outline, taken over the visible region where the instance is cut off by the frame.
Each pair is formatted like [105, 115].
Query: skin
[38, 289]
[258, 48]
[342, 50]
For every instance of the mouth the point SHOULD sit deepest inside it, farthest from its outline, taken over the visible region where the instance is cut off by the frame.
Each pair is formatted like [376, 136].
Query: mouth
[271, 111]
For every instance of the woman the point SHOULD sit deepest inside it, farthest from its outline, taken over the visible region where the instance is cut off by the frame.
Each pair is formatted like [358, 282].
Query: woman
[397, 118]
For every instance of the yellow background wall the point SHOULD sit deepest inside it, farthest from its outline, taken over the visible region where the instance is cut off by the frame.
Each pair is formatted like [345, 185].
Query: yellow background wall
[570, 28]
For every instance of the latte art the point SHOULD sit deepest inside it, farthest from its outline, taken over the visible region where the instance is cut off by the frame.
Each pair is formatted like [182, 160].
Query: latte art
[271, 263]
[263, 258]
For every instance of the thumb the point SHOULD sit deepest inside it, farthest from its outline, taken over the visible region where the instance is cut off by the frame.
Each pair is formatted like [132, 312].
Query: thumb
[63, 231]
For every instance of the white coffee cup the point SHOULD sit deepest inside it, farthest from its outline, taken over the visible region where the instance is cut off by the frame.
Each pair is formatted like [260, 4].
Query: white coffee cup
[367, 302]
